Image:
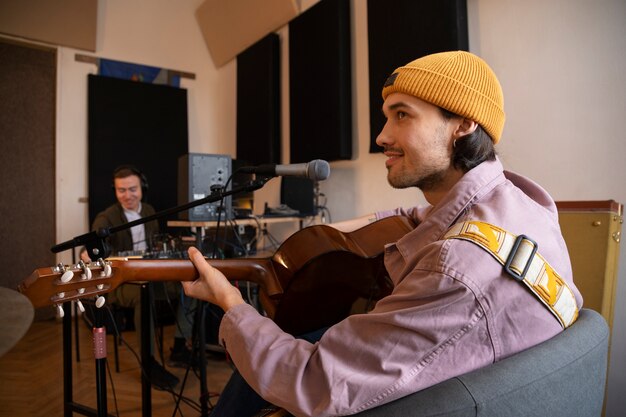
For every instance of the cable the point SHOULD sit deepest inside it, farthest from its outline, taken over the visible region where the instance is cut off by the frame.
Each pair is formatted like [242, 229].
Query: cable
[117, 411]
[178, 397]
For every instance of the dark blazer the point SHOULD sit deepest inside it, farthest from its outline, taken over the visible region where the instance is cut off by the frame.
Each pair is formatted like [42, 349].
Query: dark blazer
[123, 240]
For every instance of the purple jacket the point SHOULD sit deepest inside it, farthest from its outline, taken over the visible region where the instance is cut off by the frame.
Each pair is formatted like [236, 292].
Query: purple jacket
[453, 309]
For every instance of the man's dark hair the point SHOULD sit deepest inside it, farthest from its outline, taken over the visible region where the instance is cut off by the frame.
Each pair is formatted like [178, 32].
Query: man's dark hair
[124, 171]
[473, 149]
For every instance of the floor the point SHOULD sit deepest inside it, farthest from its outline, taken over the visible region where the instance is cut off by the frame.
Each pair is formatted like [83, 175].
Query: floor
[32, 376]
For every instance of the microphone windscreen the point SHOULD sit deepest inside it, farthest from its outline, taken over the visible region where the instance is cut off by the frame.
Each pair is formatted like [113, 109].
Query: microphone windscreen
[319, 170]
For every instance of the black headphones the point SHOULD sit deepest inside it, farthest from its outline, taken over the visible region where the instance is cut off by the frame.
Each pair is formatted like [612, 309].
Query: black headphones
[134, 171]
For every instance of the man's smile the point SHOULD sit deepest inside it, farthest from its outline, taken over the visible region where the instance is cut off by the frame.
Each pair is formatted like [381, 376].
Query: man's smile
[392, 157]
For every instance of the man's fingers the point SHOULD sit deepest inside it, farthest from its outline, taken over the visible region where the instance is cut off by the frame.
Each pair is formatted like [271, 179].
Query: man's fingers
[212, 286]
[198, 261]
[187, 285]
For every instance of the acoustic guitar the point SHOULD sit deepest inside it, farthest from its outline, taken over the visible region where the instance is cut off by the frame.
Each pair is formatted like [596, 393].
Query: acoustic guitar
[311, 281]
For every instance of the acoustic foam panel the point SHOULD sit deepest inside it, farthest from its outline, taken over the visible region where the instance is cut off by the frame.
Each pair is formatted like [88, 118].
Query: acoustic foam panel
[320, 80]
[258, 102]
[231, 26]
[70, 23]
[135, 123]
[400, 31]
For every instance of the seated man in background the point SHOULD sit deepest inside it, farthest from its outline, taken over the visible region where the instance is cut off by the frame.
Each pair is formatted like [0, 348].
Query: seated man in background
[454, 307]
[130, 186]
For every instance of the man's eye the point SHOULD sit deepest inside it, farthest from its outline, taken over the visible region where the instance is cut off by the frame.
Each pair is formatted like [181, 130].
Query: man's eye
[400, 115]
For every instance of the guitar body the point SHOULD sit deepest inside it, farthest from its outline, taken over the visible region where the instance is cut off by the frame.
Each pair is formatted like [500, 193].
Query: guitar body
[311, 282]
[323, 292]
[328, 271]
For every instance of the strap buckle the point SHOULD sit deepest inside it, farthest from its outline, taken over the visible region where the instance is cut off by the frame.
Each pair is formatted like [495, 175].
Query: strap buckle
[510, 267]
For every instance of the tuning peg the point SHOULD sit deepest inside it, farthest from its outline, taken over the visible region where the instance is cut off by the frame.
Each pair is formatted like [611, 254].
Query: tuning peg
[100, 300]
[106, 268]
[67, 276]
[86, 271]
[60, 311]
[80, 306]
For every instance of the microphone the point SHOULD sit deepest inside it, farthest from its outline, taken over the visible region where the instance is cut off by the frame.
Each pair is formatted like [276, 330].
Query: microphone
[316, 170]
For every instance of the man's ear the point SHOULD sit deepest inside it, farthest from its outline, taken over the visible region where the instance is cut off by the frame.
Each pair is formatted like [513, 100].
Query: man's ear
[464, 128]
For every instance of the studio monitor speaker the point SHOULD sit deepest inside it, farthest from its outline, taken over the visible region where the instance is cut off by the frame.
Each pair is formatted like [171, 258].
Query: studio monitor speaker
[197, 175]
[298, 194]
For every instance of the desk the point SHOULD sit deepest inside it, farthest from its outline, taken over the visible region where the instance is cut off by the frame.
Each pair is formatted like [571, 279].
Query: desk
[260, 221]
[251, 221]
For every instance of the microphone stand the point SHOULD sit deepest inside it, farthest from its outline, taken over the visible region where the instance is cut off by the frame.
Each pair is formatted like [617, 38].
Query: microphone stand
[97, 248]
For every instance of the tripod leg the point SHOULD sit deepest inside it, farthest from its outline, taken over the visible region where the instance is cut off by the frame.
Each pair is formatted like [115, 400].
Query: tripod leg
[100, 351]
[67, 361]
[146, 356]
[200, 345]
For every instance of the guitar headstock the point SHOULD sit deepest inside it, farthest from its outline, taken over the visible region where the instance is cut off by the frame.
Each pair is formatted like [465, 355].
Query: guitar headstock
[58, 284]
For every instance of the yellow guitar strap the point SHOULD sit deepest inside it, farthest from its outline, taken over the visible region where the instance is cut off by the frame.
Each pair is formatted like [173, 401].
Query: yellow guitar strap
[519, 256]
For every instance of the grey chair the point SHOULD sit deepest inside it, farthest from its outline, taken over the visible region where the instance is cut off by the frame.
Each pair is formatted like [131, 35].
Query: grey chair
[564, 376]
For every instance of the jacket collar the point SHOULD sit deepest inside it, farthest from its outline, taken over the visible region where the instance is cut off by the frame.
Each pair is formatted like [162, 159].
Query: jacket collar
[474, 184]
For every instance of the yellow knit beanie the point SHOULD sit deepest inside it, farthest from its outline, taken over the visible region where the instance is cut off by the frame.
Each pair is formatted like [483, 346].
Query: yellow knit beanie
[457, 81]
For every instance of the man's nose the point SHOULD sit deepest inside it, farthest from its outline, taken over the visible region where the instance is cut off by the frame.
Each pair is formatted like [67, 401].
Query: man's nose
[383, 138]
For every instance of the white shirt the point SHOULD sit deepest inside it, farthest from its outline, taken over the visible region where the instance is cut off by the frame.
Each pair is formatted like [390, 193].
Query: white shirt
[138, 232]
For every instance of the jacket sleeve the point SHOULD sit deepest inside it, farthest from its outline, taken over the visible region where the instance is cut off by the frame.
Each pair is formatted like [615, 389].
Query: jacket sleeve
[405, 344]
[101, 221]
[111, 217]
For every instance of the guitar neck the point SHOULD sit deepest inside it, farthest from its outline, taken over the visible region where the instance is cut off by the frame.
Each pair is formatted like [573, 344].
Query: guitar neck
[259, 271]
[48, 286]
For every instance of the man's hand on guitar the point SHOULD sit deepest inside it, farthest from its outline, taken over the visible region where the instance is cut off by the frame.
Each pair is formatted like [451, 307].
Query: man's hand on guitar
[212, 285]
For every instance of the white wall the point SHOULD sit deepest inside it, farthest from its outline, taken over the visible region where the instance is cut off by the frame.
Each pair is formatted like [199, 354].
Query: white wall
[561, 64]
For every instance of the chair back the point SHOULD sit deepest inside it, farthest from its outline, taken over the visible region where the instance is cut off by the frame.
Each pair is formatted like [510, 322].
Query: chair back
[563, 376]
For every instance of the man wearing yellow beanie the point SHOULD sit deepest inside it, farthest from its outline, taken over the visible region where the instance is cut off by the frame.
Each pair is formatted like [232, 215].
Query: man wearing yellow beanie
[463, 294]
[459, 82]
[465, 99]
